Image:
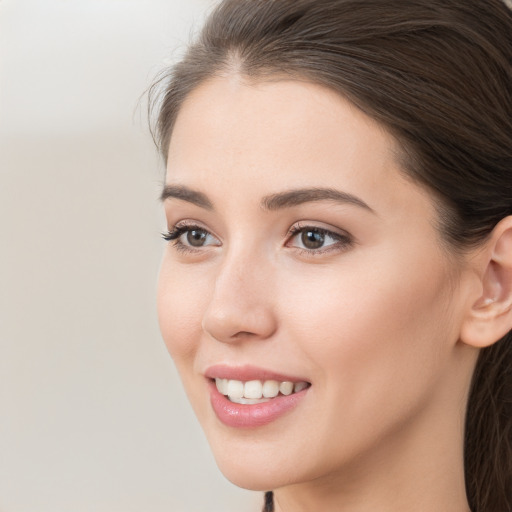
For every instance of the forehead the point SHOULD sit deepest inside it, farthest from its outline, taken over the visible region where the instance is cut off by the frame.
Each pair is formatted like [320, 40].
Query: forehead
[265, 136]
[289, 109]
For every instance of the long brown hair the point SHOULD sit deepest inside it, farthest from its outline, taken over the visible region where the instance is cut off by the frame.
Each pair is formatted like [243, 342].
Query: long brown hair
[438, 75]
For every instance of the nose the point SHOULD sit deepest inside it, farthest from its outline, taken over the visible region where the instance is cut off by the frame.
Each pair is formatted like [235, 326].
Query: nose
[241, 306]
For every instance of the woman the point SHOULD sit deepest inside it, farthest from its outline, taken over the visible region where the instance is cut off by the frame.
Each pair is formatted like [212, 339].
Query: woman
[337, 288]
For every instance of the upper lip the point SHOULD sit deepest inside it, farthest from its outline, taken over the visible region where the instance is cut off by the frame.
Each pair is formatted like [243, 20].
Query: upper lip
[246, 373]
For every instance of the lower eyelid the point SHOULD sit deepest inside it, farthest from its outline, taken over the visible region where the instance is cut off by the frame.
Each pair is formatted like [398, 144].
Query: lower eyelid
[338, 247]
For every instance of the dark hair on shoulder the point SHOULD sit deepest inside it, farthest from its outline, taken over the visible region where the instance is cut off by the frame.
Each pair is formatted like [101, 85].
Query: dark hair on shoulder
[438, 75]
[268, 505]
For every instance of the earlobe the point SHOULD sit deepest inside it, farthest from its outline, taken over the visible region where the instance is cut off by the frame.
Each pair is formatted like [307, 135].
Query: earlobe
[490, 315]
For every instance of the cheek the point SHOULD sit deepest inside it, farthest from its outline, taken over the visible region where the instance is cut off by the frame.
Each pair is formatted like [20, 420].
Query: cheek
[179, 312]
[374, 331]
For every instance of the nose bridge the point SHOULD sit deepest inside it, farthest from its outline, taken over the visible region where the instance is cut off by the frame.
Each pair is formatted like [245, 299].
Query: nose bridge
[241, 301]
[242, 269]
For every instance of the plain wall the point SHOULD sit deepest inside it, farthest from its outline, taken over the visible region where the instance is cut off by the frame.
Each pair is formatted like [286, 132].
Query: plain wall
[92, 415]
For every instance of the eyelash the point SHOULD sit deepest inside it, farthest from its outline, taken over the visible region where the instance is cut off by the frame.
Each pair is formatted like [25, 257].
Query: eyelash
[175, 233]
[343, 241]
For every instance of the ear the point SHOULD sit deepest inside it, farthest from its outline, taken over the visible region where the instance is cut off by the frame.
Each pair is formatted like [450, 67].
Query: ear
[490, 315]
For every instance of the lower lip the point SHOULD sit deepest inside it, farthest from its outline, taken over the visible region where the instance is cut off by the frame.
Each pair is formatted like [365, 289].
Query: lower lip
[255, 415]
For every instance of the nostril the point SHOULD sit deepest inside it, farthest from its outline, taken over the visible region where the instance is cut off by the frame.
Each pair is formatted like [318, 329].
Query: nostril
[244, 334]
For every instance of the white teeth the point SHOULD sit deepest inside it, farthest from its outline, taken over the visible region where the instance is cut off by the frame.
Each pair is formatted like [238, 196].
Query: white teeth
[286, 388]
[256, 391]
[222, 386]
[253, 389]
[299, 386]
[235, 389]
[270, 388]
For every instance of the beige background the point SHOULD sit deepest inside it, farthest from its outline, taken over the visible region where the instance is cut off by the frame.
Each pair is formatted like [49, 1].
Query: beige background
[92, 415]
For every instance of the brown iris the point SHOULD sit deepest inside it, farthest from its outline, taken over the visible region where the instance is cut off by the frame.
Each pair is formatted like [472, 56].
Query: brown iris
[196, 237]
[312, 239]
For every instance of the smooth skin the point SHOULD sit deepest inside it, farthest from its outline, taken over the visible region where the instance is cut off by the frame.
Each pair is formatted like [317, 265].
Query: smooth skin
[358, 295]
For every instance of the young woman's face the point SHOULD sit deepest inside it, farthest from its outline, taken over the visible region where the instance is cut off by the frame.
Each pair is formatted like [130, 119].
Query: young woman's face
[300, 253]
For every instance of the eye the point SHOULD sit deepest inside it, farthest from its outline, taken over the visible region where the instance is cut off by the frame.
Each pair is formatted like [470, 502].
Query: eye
[195, 237]
[190, 237]
[313, 239]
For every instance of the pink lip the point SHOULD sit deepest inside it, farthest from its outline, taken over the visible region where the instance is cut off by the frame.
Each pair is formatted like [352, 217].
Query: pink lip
[255, 415]
[247, 372]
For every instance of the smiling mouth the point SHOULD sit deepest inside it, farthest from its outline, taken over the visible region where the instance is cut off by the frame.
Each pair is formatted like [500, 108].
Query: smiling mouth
[257, 391]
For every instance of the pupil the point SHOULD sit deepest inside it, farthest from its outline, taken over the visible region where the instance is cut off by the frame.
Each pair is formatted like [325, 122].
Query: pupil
[312, 239]
[196, 237]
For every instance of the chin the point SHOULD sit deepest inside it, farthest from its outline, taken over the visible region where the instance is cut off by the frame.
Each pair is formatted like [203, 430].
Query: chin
[250, 481]
[253, 466]
[252, 478]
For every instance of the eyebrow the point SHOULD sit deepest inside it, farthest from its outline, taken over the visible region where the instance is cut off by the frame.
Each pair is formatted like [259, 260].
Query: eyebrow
[296, 197]
[186, 194]
[273, 202]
